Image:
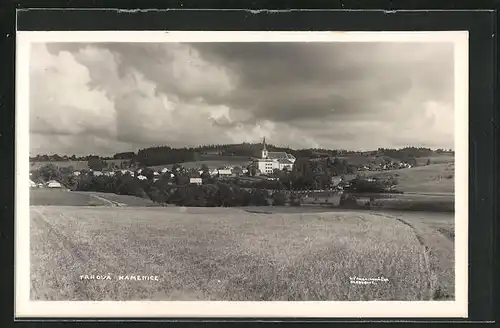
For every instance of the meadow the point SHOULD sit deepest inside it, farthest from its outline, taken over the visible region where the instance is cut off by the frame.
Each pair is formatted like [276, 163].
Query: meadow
[433, 178]
[238, 255]
[61, 197]
[77, 165]
[212, 164]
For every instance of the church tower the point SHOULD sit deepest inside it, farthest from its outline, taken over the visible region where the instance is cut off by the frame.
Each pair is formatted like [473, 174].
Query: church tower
[264, 149]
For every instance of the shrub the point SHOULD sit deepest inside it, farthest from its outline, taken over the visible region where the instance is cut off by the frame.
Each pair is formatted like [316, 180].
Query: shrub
[349, 201]
[279, 199]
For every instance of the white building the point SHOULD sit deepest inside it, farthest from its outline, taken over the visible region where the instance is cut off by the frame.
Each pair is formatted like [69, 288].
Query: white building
[197, 181]
[225, 172]
[54, 184]
[271, 161]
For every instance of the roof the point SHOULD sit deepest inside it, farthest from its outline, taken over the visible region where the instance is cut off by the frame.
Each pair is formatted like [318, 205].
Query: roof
[276, 155]
[285, 161]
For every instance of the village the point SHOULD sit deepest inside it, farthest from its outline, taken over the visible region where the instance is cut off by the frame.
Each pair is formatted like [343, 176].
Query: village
[271, 170]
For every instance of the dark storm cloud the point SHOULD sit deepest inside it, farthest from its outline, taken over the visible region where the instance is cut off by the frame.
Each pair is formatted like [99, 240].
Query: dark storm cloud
[339, 95]
[286, 81]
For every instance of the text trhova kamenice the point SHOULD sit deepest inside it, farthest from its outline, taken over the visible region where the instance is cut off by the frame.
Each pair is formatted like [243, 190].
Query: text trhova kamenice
[119, 277]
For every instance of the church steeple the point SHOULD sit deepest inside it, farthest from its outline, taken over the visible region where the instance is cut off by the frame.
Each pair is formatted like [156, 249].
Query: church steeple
[264, 149]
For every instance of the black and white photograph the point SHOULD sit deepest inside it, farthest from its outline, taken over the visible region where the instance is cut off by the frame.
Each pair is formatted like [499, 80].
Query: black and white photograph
[238, 169]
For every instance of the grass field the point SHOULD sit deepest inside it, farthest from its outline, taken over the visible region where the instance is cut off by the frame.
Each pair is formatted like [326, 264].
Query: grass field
[437, 178]
[77, 165]
[230, 254]
[61, 197]
[212, 164]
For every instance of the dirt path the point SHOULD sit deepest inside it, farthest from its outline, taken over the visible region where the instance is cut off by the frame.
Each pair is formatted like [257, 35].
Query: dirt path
[46, 241]
[438, 253]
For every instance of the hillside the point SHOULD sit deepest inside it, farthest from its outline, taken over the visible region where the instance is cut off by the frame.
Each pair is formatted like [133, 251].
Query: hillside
[232, 255]
[77, 165]
[434, 178]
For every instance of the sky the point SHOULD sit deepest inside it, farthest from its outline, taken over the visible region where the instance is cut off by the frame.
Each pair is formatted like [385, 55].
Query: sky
[104, 98]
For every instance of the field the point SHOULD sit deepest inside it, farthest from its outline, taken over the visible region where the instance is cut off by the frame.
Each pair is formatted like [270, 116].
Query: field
[77, 165]
[434, 178]
[365, 160]
[212, 164]
[61, 197]
[232, 254]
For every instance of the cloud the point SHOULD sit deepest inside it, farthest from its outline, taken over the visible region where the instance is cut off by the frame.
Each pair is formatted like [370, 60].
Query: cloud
[110, 97]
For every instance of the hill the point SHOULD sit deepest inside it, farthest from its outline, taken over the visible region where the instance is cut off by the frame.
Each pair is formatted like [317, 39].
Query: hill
[434, 178]
[232, 255]
[77, 165]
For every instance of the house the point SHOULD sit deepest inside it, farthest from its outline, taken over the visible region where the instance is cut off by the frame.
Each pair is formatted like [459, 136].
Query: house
[156, 173]
[197, 181]
[271, 161]
[76, 173]
[225, 172]
[164, 170]
[97, 173]
[110, 173]
[53, 184]
[141, 177]
[335, 181]
[32, 184]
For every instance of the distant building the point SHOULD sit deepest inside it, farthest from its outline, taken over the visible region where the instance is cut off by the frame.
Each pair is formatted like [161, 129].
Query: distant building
[32, 184]
[197, 181]
[225, 172]
[271, 161]
[76, 173]
[97, 173]
[53, 184]
[141, 177]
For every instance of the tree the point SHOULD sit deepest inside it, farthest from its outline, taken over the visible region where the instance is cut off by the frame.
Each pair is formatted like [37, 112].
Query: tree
[47, 172]
[279, 199]
[205, 175]
[96, 164]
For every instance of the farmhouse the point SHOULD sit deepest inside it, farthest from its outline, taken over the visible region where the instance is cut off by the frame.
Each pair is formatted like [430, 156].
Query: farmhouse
[53, 184]
[225, 172]
[270, 161]
[197, 181]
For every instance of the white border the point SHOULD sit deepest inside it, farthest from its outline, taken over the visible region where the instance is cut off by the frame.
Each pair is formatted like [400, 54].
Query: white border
[26, 308]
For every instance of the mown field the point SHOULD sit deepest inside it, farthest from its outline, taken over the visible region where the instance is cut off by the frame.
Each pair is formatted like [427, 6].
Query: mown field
[232, 254]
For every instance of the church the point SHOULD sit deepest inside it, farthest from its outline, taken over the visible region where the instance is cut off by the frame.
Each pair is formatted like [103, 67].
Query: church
[269, 161]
